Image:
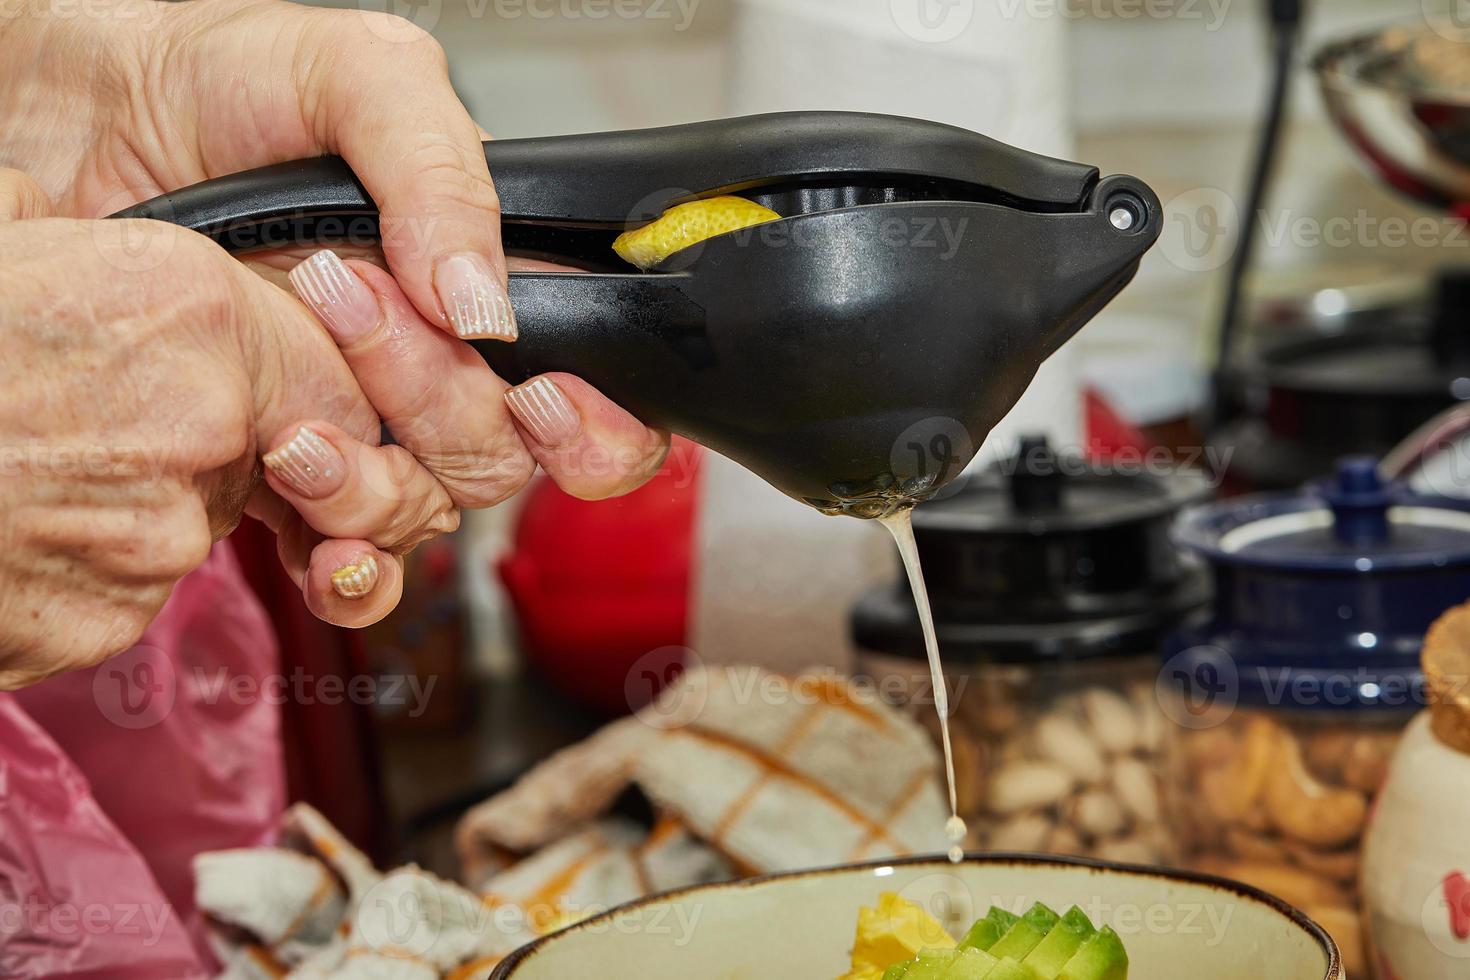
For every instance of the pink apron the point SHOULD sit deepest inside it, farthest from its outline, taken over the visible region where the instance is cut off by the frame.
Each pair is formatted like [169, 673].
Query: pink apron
[113, 778]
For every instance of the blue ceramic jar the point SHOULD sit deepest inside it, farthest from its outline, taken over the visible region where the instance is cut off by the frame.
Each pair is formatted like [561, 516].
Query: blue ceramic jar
[1289, 698]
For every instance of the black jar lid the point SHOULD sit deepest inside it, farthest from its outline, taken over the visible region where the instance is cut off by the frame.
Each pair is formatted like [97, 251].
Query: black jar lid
[1414, 350]
[1046, 556]
[1315, 387]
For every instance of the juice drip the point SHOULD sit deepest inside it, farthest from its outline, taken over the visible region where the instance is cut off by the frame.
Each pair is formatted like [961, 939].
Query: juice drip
[900, 525]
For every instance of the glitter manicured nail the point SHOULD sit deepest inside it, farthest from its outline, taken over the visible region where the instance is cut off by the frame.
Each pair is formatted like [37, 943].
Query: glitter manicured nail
[356, 579]
[546, 413]
[339, 299]
[474, 299]
[308, 464]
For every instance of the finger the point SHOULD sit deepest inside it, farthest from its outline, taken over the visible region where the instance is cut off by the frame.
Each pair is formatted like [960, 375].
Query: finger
[21, 197]
[267, 507]
[297, 370]
[424, 166]
[294, 544]
[348, 586]
[273, 265]
[294, 537]
[345, 488]
[589, 446]
[352, 583]
[438, 397]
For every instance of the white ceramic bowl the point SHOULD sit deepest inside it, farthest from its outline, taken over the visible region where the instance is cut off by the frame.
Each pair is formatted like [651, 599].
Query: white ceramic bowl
[800, 926]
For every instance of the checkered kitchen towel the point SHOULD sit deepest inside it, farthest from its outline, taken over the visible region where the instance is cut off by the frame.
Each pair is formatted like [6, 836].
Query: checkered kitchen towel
[770, 772]
[751, 772]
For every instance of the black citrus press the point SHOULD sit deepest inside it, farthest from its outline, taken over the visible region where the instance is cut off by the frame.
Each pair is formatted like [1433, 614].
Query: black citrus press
[855, 353]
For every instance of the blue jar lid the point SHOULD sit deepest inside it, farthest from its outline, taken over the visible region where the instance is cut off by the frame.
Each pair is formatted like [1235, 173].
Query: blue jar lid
[1353, 521]
[1322, 597]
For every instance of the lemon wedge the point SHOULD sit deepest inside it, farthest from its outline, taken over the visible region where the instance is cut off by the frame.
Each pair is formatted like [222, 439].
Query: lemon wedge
[893, 932]
[688, 224]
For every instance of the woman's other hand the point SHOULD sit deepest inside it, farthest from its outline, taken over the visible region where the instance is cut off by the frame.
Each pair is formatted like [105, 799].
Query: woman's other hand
[111, 103]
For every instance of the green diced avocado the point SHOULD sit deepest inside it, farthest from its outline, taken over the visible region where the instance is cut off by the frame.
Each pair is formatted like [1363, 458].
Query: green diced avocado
[1041, 917]
[972, 964]
[1059, 946]
[932, 964]
[984, 933]
[1101, 957]
[1026, 934]
[1002, 918]
[898, 971]
[1009, 969]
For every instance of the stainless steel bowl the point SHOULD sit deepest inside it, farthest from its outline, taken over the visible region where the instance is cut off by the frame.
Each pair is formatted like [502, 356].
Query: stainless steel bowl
[1401, 96]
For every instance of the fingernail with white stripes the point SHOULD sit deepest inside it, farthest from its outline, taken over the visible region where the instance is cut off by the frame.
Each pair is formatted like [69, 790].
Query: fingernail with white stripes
[339, 299]
[308, 464]
[474, 299]
[546, 413]
[356, 578]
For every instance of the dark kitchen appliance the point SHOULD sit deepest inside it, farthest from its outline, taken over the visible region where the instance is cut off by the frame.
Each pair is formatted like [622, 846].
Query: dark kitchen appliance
[1341, 372]
[1303, 397]
[807, 348]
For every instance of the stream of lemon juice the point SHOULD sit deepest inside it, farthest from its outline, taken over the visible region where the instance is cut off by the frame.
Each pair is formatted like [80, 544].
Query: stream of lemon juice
[900, 525]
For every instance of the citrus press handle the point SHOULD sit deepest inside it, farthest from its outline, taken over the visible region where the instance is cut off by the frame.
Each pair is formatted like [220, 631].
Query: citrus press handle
[622, 179]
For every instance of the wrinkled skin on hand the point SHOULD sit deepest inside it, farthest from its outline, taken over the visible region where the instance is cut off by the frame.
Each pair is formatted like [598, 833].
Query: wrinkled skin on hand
[131, 423]
[152, 357]
[112, 108]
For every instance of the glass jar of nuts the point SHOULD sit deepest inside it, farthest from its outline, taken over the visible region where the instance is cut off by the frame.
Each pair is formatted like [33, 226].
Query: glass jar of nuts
[1289, 702]
[1053, 582]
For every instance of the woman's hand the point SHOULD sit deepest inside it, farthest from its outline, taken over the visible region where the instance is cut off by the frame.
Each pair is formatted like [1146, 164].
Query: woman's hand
[463, 439]
[113, 102]
[117, 330]
[143, 369]
[146, 373]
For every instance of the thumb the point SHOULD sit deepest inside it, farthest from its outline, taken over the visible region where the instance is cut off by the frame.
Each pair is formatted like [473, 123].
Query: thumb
[21, 197]
[399, 125]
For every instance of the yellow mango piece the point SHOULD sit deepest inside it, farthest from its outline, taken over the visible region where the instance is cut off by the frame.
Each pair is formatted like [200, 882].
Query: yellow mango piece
[893, 932]
[688, 224]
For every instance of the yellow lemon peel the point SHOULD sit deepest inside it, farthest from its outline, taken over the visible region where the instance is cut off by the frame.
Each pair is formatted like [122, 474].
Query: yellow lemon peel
[688, 224]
